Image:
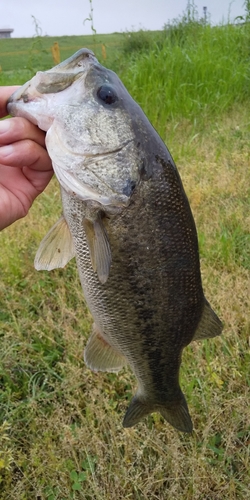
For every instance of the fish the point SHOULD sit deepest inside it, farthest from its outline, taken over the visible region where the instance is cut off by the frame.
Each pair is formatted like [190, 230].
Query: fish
[127, 220]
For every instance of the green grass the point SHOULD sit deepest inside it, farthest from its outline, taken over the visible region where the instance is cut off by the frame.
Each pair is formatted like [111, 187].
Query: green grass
[35, 53]
[60, 424]
[197, 79]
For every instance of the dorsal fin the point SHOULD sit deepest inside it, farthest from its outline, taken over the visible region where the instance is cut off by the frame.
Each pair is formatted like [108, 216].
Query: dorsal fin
[209, 326]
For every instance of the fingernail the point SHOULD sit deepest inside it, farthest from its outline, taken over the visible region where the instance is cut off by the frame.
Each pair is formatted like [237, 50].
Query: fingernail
[4, 126]
[6, 150]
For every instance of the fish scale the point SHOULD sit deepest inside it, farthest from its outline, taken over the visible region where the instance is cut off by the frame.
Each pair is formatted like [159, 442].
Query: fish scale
[127, 220]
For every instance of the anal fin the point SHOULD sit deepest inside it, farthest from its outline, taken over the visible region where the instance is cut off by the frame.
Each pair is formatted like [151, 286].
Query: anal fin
[209, 326]
[100, 356]
[56, 249]
[175, 412]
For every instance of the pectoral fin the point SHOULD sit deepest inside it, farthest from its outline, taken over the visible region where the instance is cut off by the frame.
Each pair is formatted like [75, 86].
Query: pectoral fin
[209, 326]
[99, 248]
[100, 356]
[56, 249]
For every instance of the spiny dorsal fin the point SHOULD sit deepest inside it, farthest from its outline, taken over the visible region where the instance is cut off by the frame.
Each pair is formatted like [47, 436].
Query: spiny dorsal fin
[99, 248]
[175, 412]
[56, 249]
[100, 356]
[209, 326]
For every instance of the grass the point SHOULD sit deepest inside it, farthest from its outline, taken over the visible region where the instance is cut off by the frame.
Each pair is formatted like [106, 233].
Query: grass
[60, 424]
[35, 53]
[197, 79]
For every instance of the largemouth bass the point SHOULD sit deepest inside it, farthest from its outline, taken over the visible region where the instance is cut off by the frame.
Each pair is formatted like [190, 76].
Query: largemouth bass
[127, 220]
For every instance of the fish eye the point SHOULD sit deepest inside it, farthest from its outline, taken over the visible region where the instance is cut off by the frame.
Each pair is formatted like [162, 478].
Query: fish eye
[107, 94]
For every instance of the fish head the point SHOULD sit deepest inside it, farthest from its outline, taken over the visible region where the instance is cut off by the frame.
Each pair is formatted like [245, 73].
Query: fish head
[92, 128]
[39, 98]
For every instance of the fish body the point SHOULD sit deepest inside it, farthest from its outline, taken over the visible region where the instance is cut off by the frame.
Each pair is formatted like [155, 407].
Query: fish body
[127, 220]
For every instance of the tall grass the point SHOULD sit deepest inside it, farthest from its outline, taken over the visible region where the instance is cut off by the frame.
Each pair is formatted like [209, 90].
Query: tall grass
[194, 74]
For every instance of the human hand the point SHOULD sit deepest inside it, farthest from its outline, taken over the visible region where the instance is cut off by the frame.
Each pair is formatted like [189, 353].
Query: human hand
[25, 167]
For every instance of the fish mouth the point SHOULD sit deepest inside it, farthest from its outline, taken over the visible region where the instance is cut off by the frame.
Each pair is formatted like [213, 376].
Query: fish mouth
[75, 62]
[23, 102]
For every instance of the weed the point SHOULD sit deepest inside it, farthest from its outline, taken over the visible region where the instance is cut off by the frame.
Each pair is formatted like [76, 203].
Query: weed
[37, 49]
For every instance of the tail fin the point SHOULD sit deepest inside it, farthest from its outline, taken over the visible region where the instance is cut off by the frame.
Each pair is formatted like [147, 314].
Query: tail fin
[175, 412]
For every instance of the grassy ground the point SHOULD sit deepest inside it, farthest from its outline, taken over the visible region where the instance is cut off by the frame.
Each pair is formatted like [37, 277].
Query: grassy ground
[61, 436]
[35, 53]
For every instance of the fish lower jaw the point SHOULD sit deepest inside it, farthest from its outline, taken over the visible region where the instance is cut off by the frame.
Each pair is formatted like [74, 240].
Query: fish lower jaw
[17, 109]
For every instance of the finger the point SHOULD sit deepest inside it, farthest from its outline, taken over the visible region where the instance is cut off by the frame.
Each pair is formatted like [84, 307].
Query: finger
[25, 184]
[5, 93]
[25, 153]
[37, 179]
[18, 193]
[16, 129]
